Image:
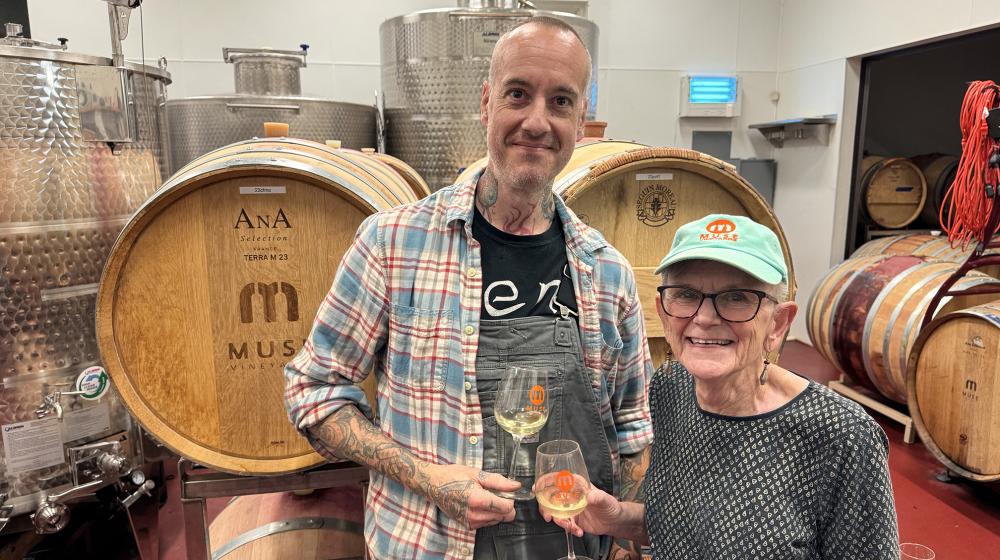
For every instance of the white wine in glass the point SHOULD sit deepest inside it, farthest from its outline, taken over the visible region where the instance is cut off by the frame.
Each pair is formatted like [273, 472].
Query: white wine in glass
[521, 409]
[562, 483]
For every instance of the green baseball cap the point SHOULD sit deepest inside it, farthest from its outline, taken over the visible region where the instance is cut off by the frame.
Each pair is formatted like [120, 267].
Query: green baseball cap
[734, 240]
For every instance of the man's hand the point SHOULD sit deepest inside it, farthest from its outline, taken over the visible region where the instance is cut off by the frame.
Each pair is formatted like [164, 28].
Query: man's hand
[465, 494]
[462, 493]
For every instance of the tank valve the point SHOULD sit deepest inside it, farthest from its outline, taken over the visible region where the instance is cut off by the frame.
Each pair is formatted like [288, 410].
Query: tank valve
[5, 511]
[144, 489]
[112, 464]
[50, 517]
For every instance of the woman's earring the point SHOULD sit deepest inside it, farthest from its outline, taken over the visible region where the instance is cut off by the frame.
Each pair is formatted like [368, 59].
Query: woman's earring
[763, 372]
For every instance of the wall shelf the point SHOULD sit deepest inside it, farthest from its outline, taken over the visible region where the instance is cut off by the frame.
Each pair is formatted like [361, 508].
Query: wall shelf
[777, 132]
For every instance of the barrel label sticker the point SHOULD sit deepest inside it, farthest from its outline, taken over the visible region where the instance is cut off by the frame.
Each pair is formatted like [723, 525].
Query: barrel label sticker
[262, 190]
[656, 205]
[93, 382]
[32, 445]
[654, 176]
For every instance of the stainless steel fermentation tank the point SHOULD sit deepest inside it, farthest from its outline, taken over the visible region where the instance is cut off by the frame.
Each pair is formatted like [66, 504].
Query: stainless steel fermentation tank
[433, 66]
[267, 89]
[80, 150]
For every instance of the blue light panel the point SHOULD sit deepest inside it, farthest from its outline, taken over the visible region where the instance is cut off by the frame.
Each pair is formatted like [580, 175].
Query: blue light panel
[712, 89]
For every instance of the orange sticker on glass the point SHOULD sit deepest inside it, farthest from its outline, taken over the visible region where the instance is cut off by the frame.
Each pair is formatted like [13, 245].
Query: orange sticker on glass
[537, 395]
[564, 481]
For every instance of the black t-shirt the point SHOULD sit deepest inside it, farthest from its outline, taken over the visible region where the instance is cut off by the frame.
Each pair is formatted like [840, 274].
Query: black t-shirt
[523, 275]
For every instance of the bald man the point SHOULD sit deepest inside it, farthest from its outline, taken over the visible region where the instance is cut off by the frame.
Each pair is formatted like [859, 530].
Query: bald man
[441, 297]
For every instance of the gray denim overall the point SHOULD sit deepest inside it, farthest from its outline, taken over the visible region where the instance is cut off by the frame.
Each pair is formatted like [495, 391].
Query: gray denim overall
[573, 414]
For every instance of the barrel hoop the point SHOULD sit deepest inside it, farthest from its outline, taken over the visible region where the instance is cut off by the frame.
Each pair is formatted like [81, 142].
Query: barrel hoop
[298, 166]
[833, 315]
[641, 154]
[295, 524]
[944, 301]
[340, 157]
[917, 318]
[879, 300]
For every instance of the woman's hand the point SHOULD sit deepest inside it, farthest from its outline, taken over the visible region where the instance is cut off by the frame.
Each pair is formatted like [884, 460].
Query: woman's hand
[601, 517]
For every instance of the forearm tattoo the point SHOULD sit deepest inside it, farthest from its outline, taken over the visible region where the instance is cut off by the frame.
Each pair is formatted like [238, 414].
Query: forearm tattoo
[350, 436]
[633, 471]
[453, 498]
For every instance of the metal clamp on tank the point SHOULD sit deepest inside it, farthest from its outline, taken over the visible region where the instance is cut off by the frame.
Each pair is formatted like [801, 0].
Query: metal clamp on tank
[14, 37]
[6, 511]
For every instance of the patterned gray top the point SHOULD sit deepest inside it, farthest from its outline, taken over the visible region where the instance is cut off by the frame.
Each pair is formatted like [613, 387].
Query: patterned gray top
[809, 480]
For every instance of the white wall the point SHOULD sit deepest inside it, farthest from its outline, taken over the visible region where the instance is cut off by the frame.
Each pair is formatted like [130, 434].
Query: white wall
[819, 46]
[645, 48]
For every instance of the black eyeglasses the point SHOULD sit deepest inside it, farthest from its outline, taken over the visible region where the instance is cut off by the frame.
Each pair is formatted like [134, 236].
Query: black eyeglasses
[735, 306]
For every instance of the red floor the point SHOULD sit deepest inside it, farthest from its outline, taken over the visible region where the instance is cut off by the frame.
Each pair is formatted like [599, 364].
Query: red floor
[958, 520]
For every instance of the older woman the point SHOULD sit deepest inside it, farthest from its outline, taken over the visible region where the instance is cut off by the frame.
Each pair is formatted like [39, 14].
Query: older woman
[749, 460]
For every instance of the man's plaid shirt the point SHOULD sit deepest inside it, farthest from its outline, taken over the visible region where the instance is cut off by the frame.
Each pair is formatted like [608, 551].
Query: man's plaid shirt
[406, 302]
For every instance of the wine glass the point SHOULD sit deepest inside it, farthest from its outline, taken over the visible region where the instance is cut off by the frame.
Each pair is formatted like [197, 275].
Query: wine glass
[521, 410]
[914, 551]
[562, 483]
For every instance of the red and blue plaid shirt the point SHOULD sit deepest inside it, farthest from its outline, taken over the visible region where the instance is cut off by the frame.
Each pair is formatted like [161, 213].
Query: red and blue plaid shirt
[406, 303]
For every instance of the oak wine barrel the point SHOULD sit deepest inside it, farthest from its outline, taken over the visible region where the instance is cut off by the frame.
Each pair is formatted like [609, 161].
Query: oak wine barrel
[894, 190]
[953, 385]
[866, 315]
[637, 196]
[213, 285]
[324, 524]
[939, 173]
[936, 247]
[420, 187]
[838, 309]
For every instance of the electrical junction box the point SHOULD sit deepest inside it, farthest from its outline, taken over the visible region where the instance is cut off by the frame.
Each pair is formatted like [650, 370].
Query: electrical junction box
[710, 96]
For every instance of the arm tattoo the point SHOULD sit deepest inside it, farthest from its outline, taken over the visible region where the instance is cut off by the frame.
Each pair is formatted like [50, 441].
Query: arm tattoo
[633, 471]
[453, 498]
[351, 436]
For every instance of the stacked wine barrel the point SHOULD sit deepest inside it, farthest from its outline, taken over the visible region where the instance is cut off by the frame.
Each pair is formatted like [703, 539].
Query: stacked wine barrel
[898, 191]
[865, 317]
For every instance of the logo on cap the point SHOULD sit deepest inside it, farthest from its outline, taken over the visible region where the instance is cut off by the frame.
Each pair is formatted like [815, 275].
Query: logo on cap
[720, 230]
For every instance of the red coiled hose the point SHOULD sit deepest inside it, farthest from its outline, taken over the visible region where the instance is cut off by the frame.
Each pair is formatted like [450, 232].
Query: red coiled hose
[967, 206]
